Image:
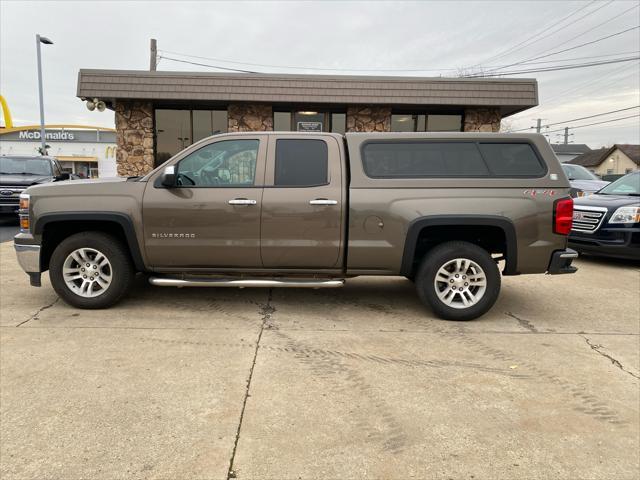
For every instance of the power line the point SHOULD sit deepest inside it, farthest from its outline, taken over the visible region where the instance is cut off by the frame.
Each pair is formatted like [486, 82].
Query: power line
[515, 47]
[547, 69]
[581, 118]
[572, 48]
[553, 69]
[207, 65]
[595, 123]
[591, 29]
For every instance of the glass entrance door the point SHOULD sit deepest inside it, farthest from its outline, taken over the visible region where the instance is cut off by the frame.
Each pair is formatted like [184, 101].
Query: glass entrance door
[308, 121]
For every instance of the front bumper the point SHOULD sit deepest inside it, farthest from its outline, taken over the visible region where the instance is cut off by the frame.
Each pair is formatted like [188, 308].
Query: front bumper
[29, 259]
[616, 242]
[561, 262]
[9, 208]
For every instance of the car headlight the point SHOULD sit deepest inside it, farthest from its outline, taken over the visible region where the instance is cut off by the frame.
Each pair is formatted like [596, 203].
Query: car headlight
[626, 215]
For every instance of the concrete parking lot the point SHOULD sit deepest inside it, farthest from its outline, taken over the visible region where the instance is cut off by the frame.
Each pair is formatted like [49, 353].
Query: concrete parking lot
[360, 382]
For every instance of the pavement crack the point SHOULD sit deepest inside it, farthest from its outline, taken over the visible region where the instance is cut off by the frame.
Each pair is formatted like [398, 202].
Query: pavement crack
[522, 322]
[596, 348]
[38, 312]
[266, 311]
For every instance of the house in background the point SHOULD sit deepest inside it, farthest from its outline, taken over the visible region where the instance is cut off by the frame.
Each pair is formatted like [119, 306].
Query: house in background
[569, 151]
[615, 160]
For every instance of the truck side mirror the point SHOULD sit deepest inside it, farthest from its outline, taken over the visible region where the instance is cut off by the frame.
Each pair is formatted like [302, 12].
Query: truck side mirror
[168, 178]
[63, 176]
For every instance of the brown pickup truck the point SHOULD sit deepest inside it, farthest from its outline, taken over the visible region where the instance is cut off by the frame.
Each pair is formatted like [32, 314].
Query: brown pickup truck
[282, 209]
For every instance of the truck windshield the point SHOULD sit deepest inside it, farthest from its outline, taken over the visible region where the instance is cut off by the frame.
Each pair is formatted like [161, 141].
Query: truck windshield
[577, 172]
[25, 166]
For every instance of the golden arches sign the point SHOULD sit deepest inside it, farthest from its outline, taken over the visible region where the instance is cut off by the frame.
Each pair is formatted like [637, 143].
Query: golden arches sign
[110, 152]
[6, 114]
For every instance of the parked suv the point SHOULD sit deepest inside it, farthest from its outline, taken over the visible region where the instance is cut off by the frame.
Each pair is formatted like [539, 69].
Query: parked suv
[583, 182]
[608, 223]
[269, 209]
[19, 172]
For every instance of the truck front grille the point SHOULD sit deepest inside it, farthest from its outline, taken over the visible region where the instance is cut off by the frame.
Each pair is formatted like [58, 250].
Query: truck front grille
[587, 219]
[10, 195]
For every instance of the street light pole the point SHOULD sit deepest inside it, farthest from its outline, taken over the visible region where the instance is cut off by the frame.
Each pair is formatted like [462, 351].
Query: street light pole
[46, 41]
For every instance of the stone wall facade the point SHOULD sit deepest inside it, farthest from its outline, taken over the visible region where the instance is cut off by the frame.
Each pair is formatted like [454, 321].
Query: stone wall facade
[249, 117]
[134, 138]
[482, 120]
[368, 119]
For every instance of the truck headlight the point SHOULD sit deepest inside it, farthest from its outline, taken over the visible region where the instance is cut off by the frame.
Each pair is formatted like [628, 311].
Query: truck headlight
[23, 212]
[626, 215]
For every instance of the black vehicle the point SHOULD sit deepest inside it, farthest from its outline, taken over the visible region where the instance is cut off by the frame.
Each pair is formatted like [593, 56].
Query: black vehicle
[608, 223]
[19, 172]
[583, 182]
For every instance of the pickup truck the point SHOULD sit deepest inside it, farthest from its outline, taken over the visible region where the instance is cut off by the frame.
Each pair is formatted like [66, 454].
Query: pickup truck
[19, 172]
[448, 211]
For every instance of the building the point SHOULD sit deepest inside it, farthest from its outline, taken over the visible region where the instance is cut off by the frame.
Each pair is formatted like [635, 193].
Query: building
[616, 160]
[159, 113]
[86, 151]
[569, 151]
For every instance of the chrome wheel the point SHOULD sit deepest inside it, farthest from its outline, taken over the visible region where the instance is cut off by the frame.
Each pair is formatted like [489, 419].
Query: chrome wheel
[460, 283]
[87, 272]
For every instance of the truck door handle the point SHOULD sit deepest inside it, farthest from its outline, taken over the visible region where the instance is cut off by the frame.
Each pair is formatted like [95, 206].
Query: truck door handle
[241, 201]
[323, 201]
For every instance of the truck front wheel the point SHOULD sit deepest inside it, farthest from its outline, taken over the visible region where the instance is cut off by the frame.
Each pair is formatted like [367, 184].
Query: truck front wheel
[91, 270]
[458, 280]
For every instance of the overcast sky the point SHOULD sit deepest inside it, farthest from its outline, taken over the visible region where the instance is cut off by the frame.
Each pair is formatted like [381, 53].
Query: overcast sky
[443, 38]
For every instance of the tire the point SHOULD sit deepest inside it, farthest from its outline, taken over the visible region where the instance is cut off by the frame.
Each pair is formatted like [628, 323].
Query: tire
[449, 297]
[108, 270]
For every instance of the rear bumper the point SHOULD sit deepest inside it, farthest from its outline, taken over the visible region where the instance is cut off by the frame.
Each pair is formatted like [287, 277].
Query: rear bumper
[561, 262]
[609, 242]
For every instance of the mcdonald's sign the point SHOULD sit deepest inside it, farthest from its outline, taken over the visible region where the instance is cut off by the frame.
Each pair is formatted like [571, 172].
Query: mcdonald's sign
[110, 151]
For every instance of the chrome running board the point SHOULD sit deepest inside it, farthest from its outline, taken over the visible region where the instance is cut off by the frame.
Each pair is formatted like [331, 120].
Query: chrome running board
[242, 283]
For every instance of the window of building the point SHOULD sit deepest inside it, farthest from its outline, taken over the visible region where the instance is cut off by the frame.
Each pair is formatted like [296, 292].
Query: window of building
[444, 123]
[403, 123]
[301, 163]
[309, 121]
[423, 159]
[282, 121]
[220, 164]
[512, 160]
[177, 129]
[609, 171]
[425, 123]
[208, 122]
[338, 122]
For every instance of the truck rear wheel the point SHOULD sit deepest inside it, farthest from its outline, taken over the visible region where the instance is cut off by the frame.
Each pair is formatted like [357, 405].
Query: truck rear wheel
[458, 280]
[91, 270]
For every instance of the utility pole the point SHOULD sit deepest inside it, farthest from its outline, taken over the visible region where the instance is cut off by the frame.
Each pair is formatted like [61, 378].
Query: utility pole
[566, 135]
[538, 125]
[153, 55]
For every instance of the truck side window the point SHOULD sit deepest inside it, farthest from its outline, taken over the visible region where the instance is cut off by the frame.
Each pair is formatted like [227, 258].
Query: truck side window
[220, 164]
[512, 160]
[301, 163]
[423, 160]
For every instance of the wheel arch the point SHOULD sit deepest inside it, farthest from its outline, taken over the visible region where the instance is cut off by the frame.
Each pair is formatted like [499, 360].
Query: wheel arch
[106, 220]
[420, 227]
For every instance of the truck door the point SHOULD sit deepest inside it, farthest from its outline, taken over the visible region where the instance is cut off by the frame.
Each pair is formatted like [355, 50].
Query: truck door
[211, 218]
[302, 204]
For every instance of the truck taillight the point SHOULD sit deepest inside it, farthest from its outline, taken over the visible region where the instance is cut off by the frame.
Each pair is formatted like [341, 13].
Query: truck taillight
[563, 216]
